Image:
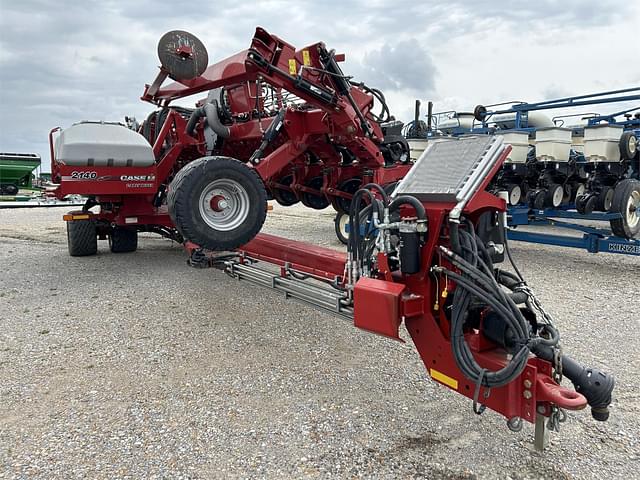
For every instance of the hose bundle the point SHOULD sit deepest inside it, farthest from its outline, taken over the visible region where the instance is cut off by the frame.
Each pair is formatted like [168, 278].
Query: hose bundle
[477, 280]
[361, 242]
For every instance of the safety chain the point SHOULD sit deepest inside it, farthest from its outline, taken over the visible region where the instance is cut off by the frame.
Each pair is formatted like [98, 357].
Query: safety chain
[536, 303]
[557, 364]
[558, 416]
[548, 320]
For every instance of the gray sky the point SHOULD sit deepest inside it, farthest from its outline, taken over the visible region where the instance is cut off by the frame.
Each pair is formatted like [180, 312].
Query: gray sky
[66, 61]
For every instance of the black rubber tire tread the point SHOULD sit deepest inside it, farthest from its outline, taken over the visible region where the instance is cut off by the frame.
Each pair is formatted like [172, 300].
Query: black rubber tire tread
[621, 196]
[82, 238]
[317, 202]
[625, 153]
[284, 197]
[600, 200]
[344, 239]
[123, 240]
[184, 193]
[10, 189]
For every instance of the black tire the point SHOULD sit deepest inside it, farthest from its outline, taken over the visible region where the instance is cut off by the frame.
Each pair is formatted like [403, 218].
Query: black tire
[82, 238]
[339, 224]
[554, 195]
[536, 199]
[10, 189]
[317, 202]
[123, 240]
[286, 198]
[628, 145]
[241, 187]
[589, 204]
[350, 186]
[626, 201]
[568, 190]
[604, 200]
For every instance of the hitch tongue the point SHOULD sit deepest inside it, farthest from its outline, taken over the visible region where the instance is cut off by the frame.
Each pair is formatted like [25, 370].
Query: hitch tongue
[596, 386]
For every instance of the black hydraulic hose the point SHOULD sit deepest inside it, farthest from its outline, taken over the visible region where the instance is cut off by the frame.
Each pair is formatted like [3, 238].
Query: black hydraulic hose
[408, 200]
[462, 353]
[381, 191]
[519, 298]
[197, 114]
[210, 110]
[454, 236]
[513, 264]
[354, 220]
[510, 312]
[477, 280]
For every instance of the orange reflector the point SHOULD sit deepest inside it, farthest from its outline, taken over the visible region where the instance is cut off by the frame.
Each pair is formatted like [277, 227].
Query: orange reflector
[269, 207]
[70, 217]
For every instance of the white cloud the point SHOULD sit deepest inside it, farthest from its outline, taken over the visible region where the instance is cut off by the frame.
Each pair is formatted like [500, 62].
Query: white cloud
[73, 60]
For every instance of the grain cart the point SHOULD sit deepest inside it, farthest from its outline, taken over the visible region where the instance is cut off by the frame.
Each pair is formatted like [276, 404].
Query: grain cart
[276, 123]
[16, 170]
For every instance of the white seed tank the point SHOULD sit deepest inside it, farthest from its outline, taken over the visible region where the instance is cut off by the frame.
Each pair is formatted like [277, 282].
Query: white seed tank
[602, 143]
[553, 144]
[102, 144]
[519, 142]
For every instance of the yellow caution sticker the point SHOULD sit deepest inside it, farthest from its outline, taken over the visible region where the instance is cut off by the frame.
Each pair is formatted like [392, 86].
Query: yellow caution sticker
[444, 379]
[293, 67]
[306, 58]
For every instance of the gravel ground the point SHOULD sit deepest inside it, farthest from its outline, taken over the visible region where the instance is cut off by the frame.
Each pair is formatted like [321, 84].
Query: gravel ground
[137, 366]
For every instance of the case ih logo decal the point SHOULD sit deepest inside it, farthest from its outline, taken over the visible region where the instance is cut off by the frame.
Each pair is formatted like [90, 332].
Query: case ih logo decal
[137, 178]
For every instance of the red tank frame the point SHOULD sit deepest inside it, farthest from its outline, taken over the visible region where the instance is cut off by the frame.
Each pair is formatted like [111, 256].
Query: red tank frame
[327, 116]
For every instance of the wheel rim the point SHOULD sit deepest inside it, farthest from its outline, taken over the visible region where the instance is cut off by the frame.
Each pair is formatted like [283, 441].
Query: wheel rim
[608, 199]
[580, 189]
[633, 210]
[633, 145]
[558, 194]
[515, 195]
[224, 204]
[342, 224]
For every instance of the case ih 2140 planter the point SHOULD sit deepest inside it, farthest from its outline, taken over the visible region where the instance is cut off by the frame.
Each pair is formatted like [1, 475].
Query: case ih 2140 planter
[299, 128]
[424, 256]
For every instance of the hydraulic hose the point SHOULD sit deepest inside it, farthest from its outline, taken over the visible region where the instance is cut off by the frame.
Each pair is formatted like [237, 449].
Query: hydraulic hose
[476, 280]
[210, 110]
[408, 200]
[354, 244]
[380, 189]
[197, 114]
